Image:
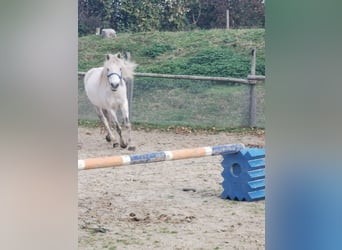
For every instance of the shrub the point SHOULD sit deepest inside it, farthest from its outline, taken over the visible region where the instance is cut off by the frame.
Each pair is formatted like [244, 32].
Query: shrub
[156, 49]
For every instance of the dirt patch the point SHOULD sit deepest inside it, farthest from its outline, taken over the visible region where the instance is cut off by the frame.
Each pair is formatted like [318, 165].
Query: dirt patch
[164, 205]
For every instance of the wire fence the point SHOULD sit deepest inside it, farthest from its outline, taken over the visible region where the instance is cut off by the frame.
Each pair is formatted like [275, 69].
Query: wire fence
[187, 102]
[196, 101]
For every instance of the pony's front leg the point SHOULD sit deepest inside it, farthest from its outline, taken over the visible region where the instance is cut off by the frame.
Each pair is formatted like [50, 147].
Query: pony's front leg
[105, 119]
[124, 111]
[108, 139]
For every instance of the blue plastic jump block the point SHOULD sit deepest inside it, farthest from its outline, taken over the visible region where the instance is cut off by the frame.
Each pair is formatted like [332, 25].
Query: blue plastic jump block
[244, 175]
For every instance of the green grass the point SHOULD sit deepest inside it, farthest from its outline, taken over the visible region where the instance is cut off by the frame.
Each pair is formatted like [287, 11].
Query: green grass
[206, 52]
[170, 103]
[185, 106]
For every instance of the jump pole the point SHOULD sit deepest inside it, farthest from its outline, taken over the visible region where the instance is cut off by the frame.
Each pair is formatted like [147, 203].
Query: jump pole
[117, 161]
[243, 168]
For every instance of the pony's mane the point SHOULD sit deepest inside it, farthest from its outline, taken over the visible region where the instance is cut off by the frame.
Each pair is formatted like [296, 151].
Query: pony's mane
[127, 67]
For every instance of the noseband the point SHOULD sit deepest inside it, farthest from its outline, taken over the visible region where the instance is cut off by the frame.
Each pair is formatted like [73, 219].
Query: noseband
[109, 75]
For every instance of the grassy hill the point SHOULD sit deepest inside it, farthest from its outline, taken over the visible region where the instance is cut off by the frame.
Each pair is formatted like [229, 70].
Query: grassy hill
[165, 102]
[205, 52]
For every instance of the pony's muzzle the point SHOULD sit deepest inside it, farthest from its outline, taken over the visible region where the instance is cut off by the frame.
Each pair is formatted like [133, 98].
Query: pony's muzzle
[114, 86]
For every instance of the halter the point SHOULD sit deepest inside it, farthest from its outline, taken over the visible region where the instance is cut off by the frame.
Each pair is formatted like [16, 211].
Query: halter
[120, 77]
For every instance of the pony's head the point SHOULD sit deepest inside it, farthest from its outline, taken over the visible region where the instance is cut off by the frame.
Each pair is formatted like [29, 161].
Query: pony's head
[117, 68]
[113, 70]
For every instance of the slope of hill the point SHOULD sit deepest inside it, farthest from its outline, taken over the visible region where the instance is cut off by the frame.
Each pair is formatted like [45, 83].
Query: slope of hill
[201, 52]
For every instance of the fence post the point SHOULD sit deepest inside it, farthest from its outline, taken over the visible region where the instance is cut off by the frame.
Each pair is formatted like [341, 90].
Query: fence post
[252, 98]
[129, 84]
[227, 18]
[97, 31]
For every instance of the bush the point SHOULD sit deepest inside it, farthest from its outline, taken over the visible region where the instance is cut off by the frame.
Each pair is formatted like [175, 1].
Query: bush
[157, 49]
[210, 62]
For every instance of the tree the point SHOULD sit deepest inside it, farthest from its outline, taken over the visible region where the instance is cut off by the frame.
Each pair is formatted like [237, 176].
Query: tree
[210, 14]
[247, 13]
[168, 15]
[87, 17]
[194, 12]
[138, 15]
[173, 16]
[93, 14]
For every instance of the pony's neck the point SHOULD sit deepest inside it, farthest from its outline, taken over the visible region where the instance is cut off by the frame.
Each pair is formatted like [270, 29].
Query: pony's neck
[103, 76]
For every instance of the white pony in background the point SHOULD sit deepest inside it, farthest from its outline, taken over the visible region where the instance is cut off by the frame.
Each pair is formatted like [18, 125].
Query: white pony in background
[106, 89]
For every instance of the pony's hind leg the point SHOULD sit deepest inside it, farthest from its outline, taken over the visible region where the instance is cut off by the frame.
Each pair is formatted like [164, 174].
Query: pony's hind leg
[124, 110]
[129, 128]
[105, 119]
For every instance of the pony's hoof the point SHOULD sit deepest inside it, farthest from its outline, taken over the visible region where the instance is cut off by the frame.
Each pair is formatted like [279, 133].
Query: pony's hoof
[131, 148]
[108, 138]
[115, 145]
[123, 145]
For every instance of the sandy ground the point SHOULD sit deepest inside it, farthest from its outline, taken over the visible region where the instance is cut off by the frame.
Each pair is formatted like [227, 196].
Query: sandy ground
[145, 206]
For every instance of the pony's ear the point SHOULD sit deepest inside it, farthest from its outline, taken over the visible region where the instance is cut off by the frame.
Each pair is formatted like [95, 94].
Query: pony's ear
[107, 56]
[118, 55]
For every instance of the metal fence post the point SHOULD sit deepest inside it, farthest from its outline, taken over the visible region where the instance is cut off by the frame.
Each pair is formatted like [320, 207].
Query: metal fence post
[252, 98]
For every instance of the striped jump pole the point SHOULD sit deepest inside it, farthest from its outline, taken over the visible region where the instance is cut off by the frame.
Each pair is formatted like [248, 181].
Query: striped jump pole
[243, 168]
[117, 161]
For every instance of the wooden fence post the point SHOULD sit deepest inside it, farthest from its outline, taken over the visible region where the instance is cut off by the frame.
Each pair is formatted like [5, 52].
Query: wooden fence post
[227, 18]
[252, 98]
[130, 84]
[97, 31]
